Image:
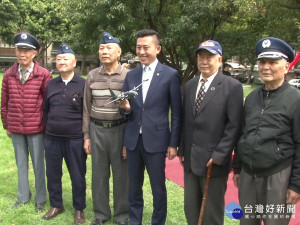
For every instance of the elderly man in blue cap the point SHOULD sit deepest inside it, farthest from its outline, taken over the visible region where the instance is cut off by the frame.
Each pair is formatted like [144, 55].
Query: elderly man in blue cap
[267, 161]
[63, 106]
[103, 128]
[23, 89]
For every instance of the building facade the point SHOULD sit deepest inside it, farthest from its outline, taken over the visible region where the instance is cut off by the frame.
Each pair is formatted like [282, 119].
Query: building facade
[47, 59]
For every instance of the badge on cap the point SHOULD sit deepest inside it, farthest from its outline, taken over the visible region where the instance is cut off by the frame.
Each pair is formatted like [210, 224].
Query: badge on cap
[24, 36]
[266, 43]
[108, 38]
[207, 43]
[63, 49]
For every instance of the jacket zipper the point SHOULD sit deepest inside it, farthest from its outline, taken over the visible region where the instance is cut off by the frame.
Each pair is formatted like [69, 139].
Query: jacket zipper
[253, 139]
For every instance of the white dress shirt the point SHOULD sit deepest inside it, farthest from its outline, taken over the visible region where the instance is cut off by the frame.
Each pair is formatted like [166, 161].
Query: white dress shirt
[147, 75]
[207, 83]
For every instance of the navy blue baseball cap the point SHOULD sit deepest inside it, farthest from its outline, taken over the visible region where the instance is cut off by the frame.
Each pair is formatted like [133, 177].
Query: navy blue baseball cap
[274, 48]
[63, 49]
[26, 40]
[108, 38]
[212, 46]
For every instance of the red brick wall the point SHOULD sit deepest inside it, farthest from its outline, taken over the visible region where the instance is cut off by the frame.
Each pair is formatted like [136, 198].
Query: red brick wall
[7, 52]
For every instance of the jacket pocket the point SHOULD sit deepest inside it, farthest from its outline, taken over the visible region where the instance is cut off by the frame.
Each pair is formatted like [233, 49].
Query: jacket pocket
[77, 104]
[162, 126]
[212, 147]
[283, 148]
[277, 150]
[264, 154]
[243, 149]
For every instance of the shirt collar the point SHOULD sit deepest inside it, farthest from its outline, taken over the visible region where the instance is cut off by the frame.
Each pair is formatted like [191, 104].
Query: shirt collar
[152, 65]
[74, 78]
[29, 69]
[116, 72]
[210, 79]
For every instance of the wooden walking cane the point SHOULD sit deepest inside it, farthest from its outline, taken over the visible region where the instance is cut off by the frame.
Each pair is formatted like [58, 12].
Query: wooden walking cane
[205, 194]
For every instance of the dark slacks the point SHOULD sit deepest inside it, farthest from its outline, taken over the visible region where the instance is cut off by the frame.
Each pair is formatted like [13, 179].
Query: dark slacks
[193, 193]
[75, 157]
[155, 164]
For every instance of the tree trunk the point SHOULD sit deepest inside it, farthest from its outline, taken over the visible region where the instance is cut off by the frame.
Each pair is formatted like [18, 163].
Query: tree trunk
[188, 74]
[249, 76]
[82, 64]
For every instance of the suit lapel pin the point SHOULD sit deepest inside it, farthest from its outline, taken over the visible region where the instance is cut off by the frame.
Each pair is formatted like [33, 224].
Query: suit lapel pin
[157, 74]
[212, 88]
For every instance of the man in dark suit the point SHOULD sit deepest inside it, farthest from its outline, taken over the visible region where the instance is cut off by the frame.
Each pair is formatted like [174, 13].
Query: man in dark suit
[148, 137]
[212, 112]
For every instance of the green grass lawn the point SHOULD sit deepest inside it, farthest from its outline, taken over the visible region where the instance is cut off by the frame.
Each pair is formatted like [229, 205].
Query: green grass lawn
[26, 215]
[249, 88]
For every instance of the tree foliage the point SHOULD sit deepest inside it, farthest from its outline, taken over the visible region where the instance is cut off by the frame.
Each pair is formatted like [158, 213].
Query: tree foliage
[254, 20]
[182, 24]
[42, 18]
[9, 19]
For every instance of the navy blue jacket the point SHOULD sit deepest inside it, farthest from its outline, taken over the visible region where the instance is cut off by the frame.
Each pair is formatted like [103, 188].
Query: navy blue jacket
[153, 115]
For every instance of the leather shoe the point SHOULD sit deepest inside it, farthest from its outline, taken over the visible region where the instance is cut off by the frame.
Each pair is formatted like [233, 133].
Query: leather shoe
[79, 217]
[123, 223]
[18, 204]
[53, 212]
[40, 206]
[98, 222]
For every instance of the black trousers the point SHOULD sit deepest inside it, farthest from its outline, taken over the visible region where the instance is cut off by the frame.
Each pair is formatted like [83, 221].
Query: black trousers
[75, 157]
